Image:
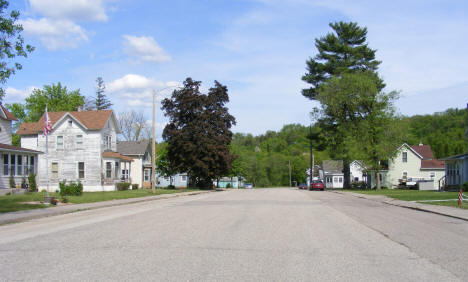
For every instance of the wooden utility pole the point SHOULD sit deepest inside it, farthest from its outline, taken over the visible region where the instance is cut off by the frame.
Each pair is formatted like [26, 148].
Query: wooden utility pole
[153, 147]
[290, 183]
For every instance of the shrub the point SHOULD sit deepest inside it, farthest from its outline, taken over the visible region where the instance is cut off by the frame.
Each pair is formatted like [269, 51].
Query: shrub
[170, 187]
[12, 182]
[72, 189]
[32, 182]
[134, 186]
[23, 182]
[64, 199]
[121, 186]
[358, 185]
[465, 187]
[228, 185]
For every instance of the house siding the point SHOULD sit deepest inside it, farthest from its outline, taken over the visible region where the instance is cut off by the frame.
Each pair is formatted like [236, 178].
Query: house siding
[5, 131]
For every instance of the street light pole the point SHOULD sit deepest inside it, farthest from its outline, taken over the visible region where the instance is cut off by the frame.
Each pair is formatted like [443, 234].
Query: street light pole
[311, 161]
[153, 147]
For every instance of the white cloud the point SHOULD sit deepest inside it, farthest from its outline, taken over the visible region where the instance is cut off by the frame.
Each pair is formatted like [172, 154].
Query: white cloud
[76, 10]
[58, 28]
[145, 48]
[137, 90]
[15, 94]
[55, 34]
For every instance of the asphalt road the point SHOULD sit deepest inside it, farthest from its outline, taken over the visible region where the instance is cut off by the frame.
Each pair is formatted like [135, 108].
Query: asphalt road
[254, 235]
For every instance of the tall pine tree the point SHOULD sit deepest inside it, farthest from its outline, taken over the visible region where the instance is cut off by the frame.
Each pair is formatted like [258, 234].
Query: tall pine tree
[101, 101]
[343, 51]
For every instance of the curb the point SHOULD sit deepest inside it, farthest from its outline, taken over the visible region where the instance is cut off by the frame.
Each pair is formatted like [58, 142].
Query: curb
[48, 212]
[390, 201]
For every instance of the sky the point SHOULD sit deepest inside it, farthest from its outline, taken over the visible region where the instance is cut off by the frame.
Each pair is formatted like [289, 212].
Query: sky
[257, 48]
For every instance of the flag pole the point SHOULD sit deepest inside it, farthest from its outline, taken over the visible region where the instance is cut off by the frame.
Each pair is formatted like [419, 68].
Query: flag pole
[47, 164]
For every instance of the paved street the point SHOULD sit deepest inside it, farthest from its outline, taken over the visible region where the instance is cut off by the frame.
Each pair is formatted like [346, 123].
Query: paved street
[255, 235]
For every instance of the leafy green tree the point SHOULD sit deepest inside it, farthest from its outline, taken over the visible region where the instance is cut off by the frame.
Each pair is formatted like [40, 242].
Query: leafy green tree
[343, 51]
[55, 96]
[101, 101]
[163, 167]
[365, 117]
[199, 132]
[11, 44]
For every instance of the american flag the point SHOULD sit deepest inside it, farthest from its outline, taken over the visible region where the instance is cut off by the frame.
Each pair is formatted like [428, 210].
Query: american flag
[47, 124]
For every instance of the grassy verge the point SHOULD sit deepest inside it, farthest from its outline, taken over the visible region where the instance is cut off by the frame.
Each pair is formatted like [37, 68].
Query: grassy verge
[415, 195]
[10, 203]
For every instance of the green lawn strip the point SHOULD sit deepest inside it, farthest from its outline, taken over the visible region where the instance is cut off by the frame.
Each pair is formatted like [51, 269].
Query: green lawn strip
[416, 195]
[16, 202]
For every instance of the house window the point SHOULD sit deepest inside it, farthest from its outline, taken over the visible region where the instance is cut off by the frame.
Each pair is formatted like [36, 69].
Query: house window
[19, 167]
[32, 169]
[166, 178]
[12, 164]
[341, 179]
[107, 142]
[79, 141]
[146, 175]
[124, 174]
[329, 179]
[404, 157]
[335, 179]
[116, 169]
[108, 170]
[432, 174]
[54, 168]
[5, 164]
[405, 175]
[59, 142]
[81, 170]
[26, 165]
[70, 123]
[183, 178]
[380, 176]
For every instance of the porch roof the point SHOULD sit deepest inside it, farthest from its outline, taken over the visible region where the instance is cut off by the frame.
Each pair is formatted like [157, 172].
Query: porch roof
[115, 155]
[10, 148]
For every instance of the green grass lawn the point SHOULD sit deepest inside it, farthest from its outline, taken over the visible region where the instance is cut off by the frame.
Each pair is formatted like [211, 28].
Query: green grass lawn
[10, 203]
[416, 195]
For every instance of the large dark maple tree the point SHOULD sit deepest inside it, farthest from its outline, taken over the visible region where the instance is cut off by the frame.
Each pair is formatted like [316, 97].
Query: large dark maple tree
[199, 132]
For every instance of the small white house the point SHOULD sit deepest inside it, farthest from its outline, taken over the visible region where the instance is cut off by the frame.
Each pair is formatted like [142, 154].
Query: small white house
[357, 170]
[332, 173]
[17, 162]
[179, 180]
[82, 147]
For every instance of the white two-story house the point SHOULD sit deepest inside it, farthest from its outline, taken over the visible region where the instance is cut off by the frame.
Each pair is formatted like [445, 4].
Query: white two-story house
[17, 163]
[81, 147]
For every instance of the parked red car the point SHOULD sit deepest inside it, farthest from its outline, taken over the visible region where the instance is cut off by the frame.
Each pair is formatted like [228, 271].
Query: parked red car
[317, 185]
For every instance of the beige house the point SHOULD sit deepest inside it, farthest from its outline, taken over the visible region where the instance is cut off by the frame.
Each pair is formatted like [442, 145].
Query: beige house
[413, 164]
[140, 153]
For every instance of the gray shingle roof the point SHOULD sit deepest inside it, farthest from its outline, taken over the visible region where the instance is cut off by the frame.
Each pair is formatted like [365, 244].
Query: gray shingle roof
[332, 166]
[133, 147]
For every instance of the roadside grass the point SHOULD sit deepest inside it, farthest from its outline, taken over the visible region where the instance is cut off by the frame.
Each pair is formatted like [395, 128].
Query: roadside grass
[16, 202]
[416, 195]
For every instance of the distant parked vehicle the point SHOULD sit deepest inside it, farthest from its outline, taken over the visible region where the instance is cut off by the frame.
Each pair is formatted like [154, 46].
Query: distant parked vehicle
[303, 186]
[317, 185]
[248, 186]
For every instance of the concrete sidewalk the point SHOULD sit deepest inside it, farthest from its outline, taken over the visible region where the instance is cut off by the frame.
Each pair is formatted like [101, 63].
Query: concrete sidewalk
[19, 216]
[441, 210]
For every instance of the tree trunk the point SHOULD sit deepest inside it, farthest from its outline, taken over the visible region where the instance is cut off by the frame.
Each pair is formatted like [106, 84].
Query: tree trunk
[347, 174]
[377, 175]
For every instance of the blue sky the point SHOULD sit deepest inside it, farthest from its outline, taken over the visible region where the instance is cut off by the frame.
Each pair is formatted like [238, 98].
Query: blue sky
[257, 48]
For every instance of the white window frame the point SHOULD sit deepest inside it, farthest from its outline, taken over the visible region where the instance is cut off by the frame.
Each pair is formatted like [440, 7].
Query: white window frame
[6, 165]
[404, 157]
[52, 170]
[146, 175]
[432, 174]
[79, 140]
[61, 144]
[183, 178]
[84, 170]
